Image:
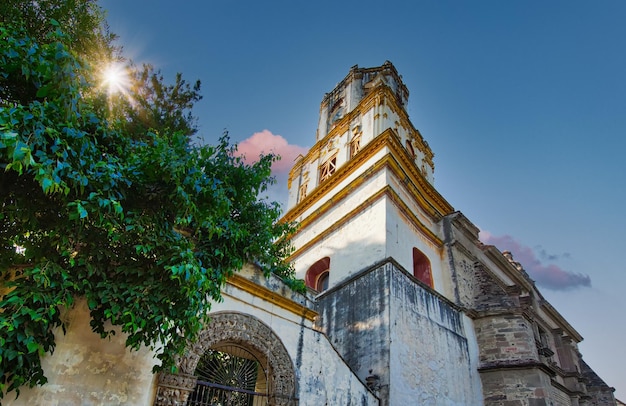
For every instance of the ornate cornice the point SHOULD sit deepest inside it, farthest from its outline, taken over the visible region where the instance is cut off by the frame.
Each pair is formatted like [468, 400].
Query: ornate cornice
[516, 365]
[381, 95]
[397, 161]
[564, 325]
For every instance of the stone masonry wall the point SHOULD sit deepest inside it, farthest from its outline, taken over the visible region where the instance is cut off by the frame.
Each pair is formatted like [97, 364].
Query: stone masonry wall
[421, 348]
[523, 387]
[505, 339]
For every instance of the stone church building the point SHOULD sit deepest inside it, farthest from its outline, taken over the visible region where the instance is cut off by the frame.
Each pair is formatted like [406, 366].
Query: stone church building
[405, 305]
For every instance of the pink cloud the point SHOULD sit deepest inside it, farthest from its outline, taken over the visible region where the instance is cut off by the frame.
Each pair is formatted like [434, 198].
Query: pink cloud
[265, 142]
[547, 275]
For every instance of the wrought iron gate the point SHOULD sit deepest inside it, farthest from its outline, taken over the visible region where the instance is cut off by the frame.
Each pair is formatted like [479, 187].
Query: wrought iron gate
[230, 376]
[211, 394]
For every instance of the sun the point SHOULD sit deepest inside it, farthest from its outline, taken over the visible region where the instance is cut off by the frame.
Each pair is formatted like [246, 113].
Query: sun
[115, 78]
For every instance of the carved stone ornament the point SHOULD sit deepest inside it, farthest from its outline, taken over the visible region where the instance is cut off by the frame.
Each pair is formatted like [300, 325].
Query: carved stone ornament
[247, 331]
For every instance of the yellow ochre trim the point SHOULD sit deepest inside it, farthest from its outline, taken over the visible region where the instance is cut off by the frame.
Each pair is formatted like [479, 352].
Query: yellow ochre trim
[272, 297]
[423, 192]
[385, 191]
[378, 96]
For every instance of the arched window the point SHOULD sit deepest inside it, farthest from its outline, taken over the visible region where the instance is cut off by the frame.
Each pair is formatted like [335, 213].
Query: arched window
[322, 282]
[317, 275]
[421, 267]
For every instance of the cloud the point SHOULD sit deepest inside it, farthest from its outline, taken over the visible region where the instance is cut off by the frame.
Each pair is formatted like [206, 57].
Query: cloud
[265, 142]
[546, 256]
[547, 275]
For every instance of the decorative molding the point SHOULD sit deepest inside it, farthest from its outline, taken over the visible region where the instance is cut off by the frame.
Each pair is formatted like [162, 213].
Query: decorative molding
[400, 164]
[381, 95]
[517, 365]
[558, 318]
[242, 329]
[274, 298]
[386, 191]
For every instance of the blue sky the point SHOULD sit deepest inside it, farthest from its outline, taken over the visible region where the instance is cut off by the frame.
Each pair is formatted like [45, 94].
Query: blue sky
[523, 104]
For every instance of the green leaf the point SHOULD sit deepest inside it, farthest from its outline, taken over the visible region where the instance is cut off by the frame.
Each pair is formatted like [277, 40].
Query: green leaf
[8, 135]
[32, 347]
[20, 151]
[46, 184]
[80, 210]
[43, 91]
[170, 221]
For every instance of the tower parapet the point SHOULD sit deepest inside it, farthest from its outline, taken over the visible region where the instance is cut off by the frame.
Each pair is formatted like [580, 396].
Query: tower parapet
[348, 93]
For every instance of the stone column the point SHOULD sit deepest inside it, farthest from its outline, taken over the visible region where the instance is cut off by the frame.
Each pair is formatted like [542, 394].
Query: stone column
[173, 390]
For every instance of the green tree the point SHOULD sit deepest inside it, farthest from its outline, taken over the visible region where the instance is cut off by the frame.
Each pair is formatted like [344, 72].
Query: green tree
[116, 206]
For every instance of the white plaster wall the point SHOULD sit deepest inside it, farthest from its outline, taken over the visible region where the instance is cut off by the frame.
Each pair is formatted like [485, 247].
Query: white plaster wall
[367, 126]
[402, 237]
[433, 354]
[326, 380]
[399, 186]
[474, 358]
[338, 211]
[356, 245]
[86, 370]
[354, 94]
[372, 235]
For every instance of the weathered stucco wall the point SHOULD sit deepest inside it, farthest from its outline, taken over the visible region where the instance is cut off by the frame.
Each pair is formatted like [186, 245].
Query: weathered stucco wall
[423, 350]
[433, 349]
[345, 232]
[86, 370]
[356, 319]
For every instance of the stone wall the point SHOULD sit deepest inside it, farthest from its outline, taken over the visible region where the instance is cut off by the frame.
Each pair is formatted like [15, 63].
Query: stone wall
[598, 392]
[505, 339]
[518, 387]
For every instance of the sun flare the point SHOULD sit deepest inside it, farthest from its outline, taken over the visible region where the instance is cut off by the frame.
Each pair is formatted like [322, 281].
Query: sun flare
[115, 78]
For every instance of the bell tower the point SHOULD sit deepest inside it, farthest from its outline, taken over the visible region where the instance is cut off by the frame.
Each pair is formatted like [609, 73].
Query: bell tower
[370, 245]
[364, 192]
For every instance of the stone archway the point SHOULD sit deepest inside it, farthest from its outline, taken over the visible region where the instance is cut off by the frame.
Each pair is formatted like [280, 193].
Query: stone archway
[173, 389]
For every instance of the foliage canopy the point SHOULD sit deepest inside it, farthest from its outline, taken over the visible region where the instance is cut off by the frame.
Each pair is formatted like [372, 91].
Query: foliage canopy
[115, 205]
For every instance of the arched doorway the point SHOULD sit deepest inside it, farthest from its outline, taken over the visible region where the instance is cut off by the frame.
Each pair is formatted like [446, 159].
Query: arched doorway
[230, 375]
[237, 361]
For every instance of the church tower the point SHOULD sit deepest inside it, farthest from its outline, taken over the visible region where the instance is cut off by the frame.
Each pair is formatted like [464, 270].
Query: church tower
[364, 192]
[371, 246]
